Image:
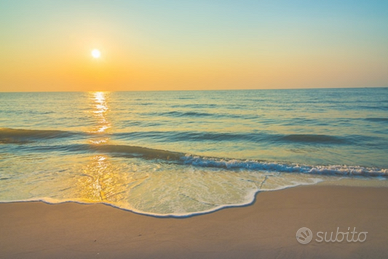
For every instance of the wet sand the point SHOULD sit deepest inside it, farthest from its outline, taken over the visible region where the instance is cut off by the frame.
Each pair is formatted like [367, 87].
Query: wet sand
[265, 229]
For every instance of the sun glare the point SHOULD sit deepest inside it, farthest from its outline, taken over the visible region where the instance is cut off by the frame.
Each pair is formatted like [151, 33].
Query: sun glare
[96, 53]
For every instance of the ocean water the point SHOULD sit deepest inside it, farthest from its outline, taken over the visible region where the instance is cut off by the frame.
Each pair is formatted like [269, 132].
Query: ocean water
[187, 152]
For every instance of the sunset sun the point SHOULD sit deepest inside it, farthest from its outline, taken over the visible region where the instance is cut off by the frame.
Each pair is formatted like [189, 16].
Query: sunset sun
[96, 53]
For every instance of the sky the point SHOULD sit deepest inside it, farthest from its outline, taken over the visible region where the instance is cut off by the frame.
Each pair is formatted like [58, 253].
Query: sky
[192, 44]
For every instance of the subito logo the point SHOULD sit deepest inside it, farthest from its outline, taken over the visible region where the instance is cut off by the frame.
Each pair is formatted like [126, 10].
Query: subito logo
[304, 235]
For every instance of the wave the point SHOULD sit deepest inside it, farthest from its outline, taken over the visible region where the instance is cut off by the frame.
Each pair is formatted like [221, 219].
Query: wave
[342, 170]
[186, 114]
[195, 114]
[13, 141]
[373, 107]
[312, 138]
[230, 163]
[195, 136]
[224, 163]
[136, 151]
[21, 136]
[195, 105]
[377, 119]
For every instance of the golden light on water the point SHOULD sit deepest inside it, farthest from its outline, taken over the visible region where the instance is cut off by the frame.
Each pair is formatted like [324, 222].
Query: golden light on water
[101, 181]
[99, 110]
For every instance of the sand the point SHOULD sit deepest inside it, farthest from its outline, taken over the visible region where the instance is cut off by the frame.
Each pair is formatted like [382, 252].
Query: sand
[265, 229]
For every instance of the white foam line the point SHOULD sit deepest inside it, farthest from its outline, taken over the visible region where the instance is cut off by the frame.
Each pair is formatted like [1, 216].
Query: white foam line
[250, 198]
[282, 167]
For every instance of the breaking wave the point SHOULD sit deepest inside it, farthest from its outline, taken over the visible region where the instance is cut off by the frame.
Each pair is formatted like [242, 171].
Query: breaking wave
[21, 136]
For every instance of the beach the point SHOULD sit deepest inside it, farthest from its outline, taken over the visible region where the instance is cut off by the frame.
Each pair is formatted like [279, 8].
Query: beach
[265, 229]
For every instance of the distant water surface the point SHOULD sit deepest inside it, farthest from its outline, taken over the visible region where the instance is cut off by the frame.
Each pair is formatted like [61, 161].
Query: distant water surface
[186, 152]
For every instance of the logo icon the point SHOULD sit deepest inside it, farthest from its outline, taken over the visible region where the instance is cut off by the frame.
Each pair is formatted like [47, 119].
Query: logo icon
[304, 235]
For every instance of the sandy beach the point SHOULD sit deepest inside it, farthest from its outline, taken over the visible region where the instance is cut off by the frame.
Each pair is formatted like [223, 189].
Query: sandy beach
[265, 229]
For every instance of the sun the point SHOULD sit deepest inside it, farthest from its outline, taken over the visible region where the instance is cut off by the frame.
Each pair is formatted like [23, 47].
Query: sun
[96, 53]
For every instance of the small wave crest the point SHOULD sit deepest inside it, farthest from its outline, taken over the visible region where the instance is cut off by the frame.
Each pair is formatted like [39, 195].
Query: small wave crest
[283, 167]
[135, 151]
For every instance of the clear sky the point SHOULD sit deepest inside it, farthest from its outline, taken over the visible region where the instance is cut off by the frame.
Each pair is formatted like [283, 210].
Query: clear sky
[192, 44]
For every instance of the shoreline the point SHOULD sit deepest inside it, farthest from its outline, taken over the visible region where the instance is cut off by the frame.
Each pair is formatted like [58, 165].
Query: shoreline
[267, 228]
[344, 182]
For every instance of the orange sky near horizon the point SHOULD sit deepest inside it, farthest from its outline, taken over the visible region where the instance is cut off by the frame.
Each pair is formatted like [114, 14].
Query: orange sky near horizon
[190, 46]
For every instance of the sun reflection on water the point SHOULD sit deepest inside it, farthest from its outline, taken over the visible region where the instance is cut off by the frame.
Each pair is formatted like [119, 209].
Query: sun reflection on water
[101, 181]
[100, 110]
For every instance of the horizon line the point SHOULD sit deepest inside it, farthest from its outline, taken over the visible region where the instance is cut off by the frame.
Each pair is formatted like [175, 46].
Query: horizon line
[196, 90]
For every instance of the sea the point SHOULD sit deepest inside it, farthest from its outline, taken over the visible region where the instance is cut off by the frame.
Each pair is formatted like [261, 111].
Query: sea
[182, 153]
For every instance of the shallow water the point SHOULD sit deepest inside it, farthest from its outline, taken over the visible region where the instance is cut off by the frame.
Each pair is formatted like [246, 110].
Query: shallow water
[182, 153]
